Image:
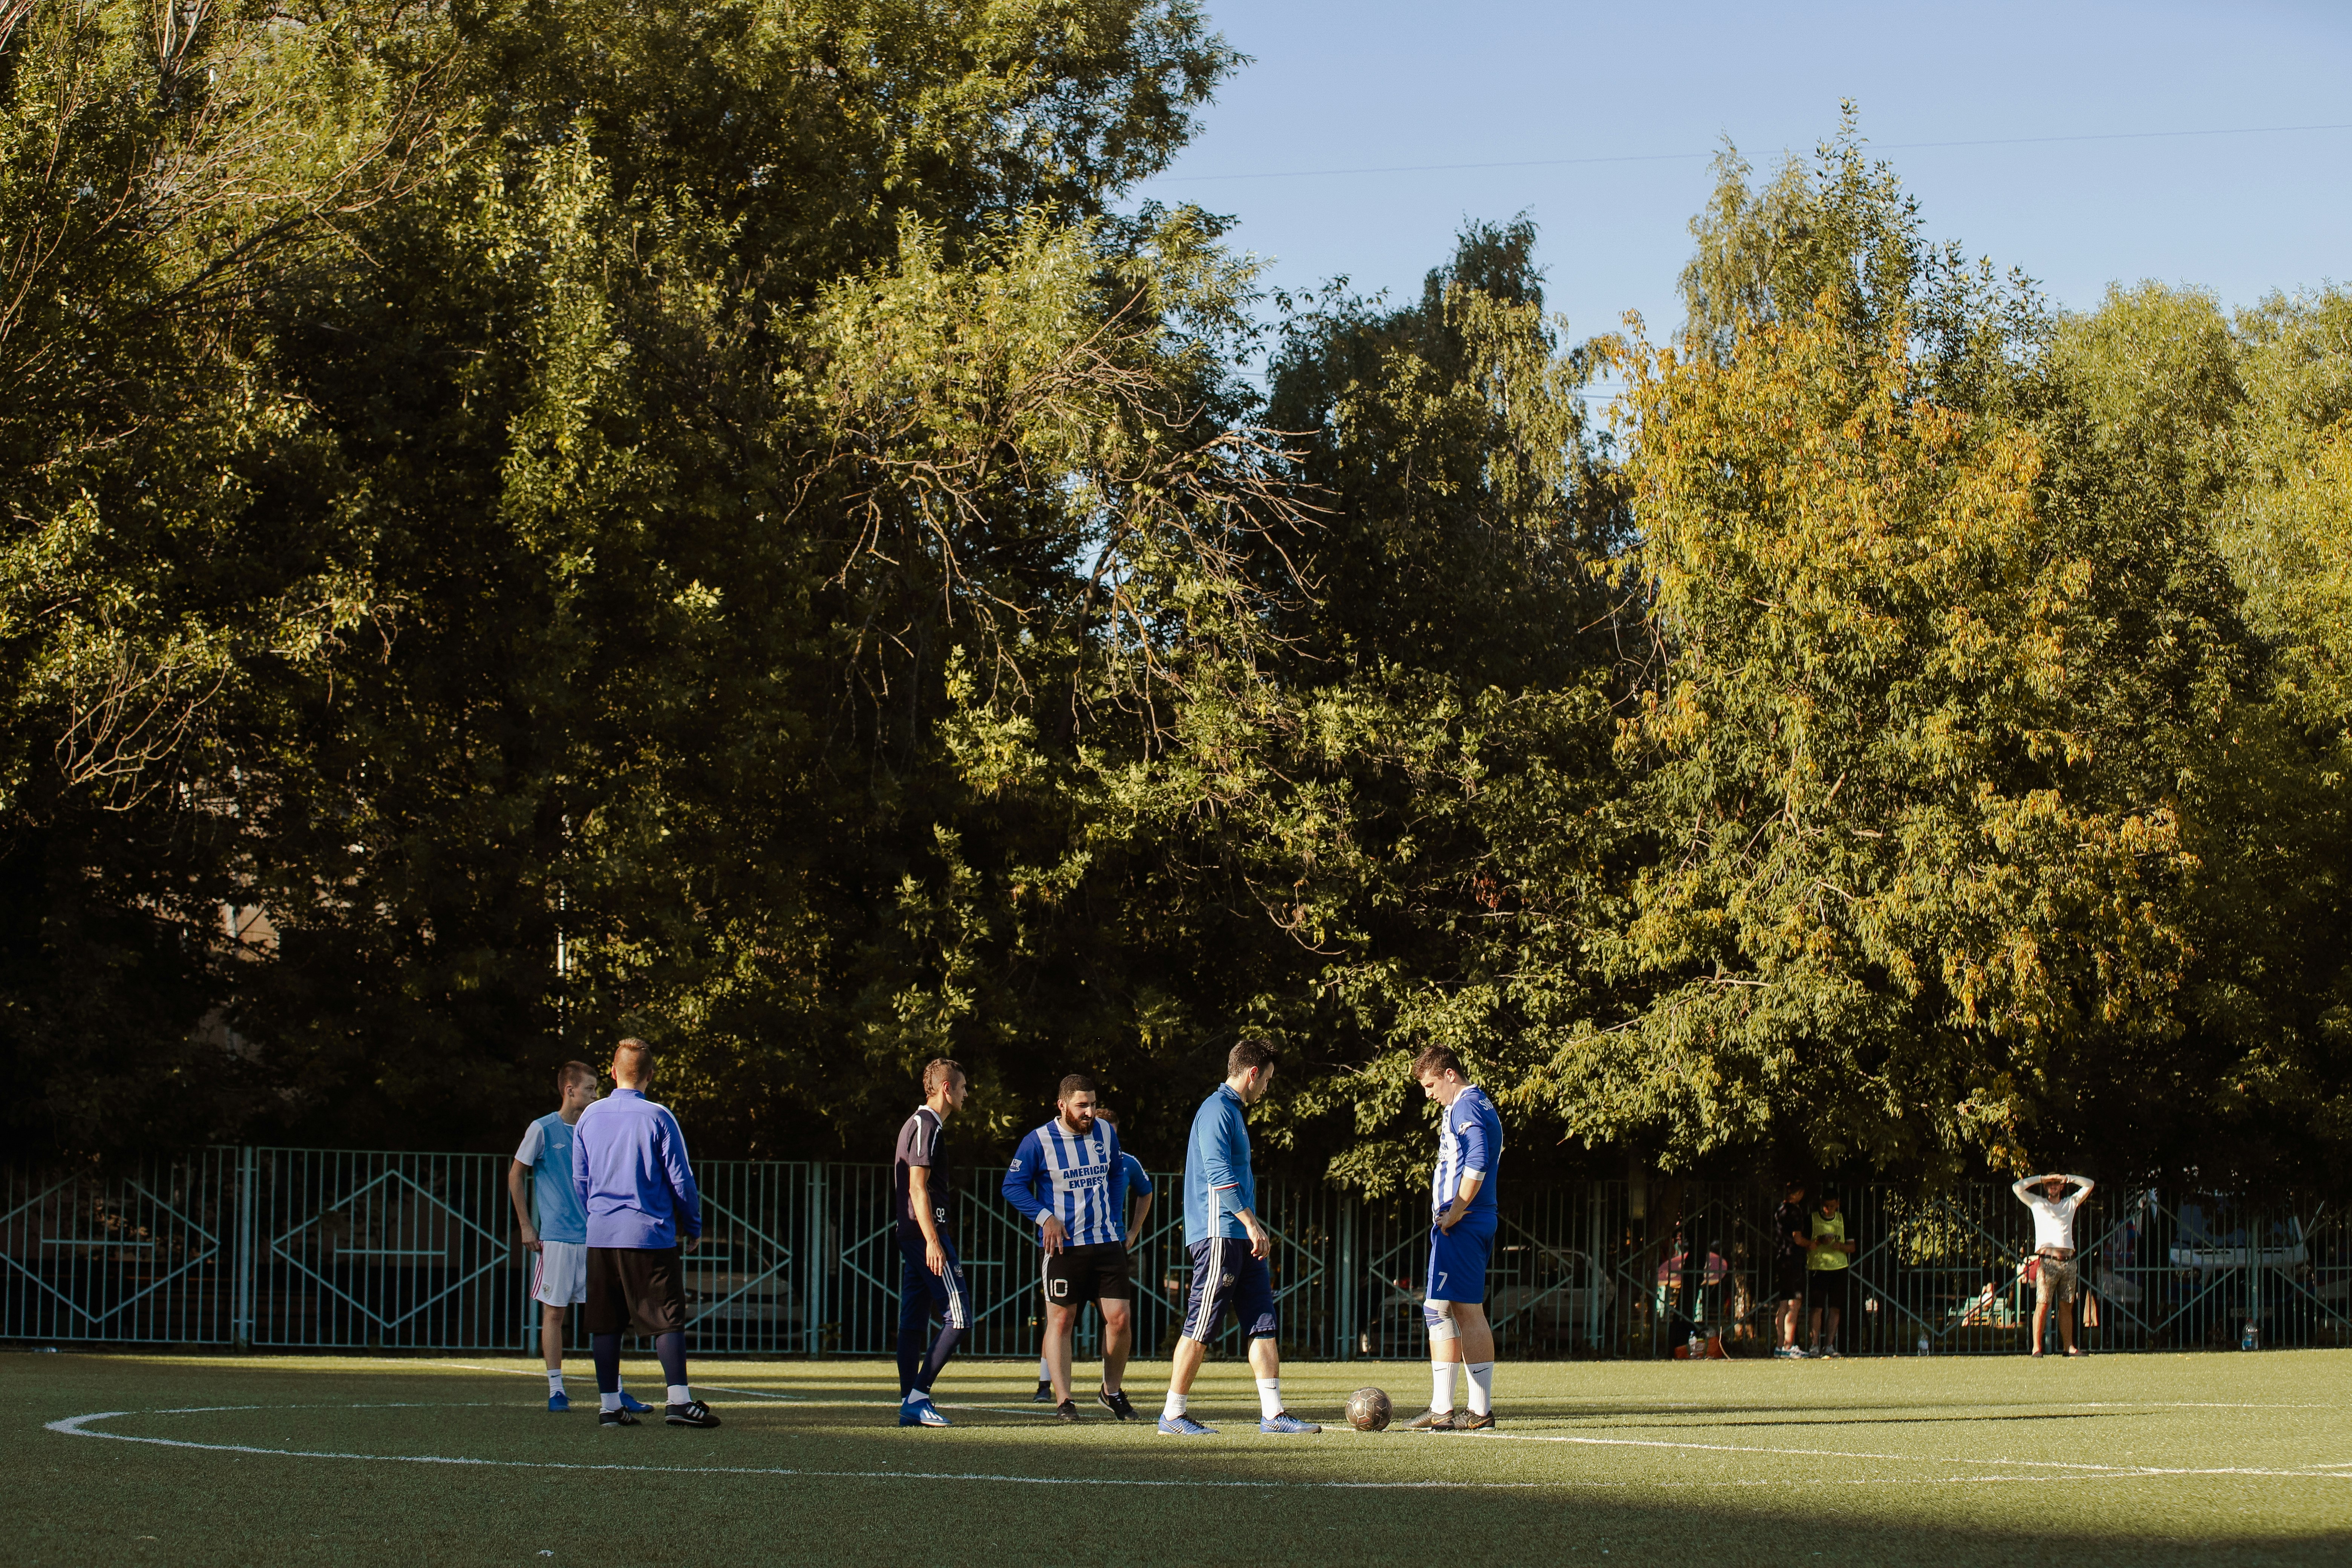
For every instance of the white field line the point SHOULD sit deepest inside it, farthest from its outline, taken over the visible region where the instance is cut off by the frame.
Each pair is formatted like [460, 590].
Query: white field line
[78, 1427]
[763, 1393]
[81, 1426]
[2314, 1471]
[526, 1372]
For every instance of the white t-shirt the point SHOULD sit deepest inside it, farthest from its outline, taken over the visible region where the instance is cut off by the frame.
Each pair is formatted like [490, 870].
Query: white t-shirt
[2053, 1223]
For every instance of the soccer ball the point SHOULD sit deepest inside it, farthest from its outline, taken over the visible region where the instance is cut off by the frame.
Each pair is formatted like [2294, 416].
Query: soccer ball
[1368, 1410]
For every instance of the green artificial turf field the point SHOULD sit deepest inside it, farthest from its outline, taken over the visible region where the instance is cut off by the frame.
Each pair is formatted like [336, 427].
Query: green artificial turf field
[2228, 1457]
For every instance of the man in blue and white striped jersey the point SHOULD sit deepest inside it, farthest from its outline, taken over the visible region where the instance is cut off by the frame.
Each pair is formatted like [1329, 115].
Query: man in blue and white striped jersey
[1131, 1194]
[1064, 1180]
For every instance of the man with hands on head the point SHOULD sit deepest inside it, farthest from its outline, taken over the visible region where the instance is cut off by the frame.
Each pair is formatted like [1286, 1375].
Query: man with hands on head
[2056, 1276]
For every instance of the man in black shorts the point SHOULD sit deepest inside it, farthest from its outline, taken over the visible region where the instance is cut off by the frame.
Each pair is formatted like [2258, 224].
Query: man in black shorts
[1829, 1273]
[636, 1188]
[1792, 1242]
[1064, 1179]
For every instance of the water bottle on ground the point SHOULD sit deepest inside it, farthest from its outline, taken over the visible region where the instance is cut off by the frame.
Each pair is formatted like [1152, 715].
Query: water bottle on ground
[2250, 1338]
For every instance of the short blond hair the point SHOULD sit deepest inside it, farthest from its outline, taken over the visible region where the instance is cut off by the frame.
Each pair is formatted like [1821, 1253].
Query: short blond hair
[635, 1056]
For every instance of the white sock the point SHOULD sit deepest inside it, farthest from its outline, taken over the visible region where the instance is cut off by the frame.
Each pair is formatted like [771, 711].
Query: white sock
[1174, 1407]
[1269, 1397]
[679, 1394]
[1441, 1385]
[609, 1400]
[1045, 1372]
[555, 1380]
[1482, 1387]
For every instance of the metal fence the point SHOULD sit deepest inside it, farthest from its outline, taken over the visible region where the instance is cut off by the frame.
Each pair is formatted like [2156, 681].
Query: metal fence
[308, 1249]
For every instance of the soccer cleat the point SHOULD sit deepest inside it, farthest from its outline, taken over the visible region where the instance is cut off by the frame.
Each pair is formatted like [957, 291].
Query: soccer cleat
[693, 1413]
[1044, 1395]
[1432, 1421]
[1788, 1352]
[1068, 1411]
[918, 1411]
[1184, 1427]
[1830, 1353]
[1283, 1421]
[614, 1418]
[1465, 1422]
[633, 1405]
[1116, 1404]
[558, 1403]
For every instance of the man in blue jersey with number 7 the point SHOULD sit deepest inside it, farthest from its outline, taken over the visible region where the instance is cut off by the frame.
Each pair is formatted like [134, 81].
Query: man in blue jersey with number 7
[1461, 1242]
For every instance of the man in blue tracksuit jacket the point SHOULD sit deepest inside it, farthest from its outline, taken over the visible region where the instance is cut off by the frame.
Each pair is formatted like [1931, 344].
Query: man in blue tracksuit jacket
[637, 1187]
[1229, 1248]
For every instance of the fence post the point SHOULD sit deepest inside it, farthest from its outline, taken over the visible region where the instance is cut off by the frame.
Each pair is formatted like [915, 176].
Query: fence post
[241, 1316]
[1346, 1277]
[813, 1293]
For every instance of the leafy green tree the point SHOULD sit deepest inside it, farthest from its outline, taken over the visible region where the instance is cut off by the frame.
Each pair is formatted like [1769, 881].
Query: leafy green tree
[163, 172]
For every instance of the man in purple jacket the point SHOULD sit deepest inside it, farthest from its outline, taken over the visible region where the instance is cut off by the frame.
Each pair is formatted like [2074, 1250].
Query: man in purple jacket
[629, 1166]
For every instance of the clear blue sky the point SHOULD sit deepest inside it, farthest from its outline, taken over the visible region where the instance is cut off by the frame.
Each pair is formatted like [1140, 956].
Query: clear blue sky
[1374, 83]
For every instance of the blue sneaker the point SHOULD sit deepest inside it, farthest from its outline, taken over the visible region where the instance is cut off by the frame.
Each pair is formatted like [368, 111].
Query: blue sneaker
[918, 1411]
[557, 1403]
[1284, 1422]
[1184, 1427]
[630, 1403]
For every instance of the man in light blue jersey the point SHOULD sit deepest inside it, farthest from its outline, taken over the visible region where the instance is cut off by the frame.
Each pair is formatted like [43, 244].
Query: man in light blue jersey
[1132, 1184]
[1461, 1243]
[1229, 1248]
[1065, 1180]
[559, 1240]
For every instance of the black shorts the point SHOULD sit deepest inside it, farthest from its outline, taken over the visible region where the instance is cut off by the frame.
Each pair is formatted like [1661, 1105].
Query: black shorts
[1096, 1272]
[643, 1284]
[1788, 1279]
[1831, 1287]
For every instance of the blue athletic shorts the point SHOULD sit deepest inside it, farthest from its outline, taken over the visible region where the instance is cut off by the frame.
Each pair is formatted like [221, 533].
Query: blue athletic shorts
[1225, 1275]
[1458, 1259]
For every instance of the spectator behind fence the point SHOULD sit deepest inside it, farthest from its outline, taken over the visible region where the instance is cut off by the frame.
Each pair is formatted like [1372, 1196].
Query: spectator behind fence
[2055, 1276]
[1792, 1243]
[1829, 1274]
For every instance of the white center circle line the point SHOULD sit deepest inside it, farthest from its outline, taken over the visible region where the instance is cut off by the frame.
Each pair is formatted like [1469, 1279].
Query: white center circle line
[84, 1426]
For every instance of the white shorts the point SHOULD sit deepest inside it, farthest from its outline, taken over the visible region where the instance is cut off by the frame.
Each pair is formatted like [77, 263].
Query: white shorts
[559, 1273]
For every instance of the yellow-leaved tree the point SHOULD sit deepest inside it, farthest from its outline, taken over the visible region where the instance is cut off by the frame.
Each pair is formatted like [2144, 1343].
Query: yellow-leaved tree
[1887, 882]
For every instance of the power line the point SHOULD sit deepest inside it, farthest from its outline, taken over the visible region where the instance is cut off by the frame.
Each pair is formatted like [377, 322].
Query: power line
[1685, 157]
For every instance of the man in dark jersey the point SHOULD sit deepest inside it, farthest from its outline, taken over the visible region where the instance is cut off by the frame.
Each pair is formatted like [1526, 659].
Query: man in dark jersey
[931, 1283]
[1792, 1239]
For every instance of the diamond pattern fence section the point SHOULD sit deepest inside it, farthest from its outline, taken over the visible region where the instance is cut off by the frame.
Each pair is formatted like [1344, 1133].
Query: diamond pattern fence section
[346, 1250]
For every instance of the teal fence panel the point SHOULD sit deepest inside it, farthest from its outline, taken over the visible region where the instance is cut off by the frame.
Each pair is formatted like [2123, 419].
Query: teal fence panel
[348, 1250]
